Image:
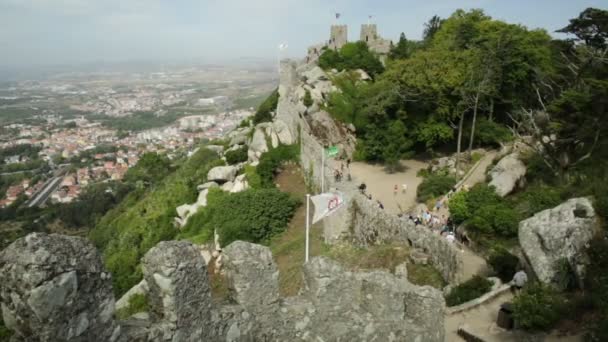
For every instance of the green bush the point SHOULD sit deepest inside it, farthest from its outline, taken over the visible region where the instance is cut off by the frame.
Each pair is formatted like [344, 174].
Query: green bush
[350, 57]
[261, 214]
[137, 303]
[253, 178]
[141, 220]
[491, 133]
[307, 101]
[596, 285]
[265, 110]
[459, 210]
[434, 186]
[272, 160]
[484, 211]
[236, 156]
[469, 290]
[537, 198]
[538, 307]
[504, 263]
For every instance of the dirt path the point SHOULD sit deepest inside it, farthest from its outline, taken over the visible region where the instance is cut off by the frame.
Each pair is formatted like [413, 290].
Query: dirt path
[380, 184]
[478, 174]
[482, 322]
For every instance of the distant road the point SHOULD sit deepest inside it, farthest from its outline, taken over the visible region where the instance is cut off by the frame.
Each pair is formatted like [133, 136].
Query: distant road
[40, 197]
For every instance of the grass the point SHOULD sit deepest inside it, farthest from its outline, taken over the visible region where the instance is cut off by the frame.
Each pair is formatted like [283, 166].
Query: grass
[425, 275]
[288, 247]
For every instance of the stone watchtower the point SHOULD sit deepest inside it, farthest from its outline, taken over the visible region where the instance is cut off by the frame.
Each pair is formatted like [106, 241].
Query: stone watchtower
[369, 33]
[338, 37]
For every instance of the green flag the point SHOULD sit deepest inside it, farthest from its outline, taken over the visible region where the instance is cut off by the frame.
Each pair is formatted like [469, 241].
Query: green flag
[332, 151]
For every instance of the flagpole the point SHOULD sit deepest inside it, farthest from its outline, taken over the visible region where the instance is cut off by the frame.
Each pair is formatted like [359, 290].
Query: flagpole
[323, 170]
[307, 226]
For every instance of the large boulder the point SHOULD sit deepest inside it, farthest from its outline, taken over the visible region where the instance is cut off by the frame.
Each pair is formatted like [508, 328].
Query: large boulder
[283, 132]
[258, 146]
[179, 294]
[55, 288]
[239, 136]
[222, 174]
[558, 235]
[216, 148]
[370, 306]
[314, 75]
[252, 274]
[508, 174]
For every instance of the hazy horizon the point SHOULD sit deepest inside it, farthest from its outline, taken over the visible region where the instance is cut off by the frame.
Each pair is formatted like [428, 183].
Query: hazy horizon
[44, 33]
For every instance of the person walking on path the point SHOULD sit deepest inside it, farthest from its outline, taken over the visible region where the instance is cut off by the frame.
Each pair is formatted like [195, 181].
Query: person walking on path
[404, 188]
[395, 190]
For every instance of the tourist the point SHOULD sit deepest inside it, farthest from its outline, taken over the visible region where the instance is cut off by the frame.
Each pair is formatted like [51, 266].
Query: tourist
[348, 163]
[395, 190]
[519, 280]
[450, 237]
[404, 188]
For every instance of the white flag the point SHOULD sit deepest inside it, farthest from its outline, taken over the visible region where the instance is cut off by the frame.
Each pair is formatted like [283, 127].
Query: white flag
[326, 204]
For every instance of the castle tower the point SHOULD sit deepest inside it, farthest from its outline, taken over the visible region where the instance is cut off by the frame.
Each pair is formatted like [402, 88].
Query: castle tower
[338, 36]
[369, 33]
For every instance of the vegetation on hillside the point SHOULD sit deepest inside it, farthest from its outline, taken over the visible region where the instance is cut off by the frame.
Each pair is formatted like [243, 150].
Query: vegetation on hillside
[469, 290]
[145, 218]
[267, 109]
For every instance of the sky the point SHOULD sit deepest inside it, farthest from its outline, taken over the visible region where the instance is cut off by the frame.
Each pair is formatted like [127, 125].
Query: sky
[60, 32]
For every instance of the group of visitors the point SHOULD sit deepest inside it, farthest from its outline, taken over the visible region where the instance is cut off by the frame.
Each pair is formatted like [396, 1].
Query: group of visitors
[339, 173]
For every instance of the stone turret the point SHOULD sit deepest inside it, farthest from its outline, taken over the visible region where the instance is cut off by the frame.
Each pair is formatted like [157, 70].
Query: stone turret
[338, 36]
[369, 35]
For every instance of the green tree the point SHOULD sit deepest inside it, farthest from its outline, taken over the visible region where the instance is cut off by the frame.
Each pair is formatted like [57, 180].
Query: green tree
[403, 49]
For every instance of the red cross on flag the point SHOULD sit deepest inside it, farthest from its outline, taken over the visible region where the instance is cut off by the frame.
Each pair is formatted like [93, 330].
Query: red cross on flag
[326, 204]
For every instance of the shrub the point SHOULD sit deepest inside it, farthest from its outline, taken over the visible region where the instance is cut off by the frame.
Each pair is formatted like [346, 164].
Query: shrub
[272, 160]
[491, 133]
[307, 101]
[5, 334]
[261, 214]
[459, 209]
[434, 186]
[504, 263]
[236, 156]
[469, 290]
[538, 307]
[253, 179]
[538, 198]
[350, 57]
[265, 110]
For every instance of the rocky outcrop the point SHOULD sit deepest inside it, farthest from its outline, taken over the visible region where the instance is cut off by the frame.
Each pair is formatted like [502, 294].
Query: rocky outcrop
[253, 275]
[185, 211]
[508, 174]
[179, 295]
[239, 136]
[369, 306]
[222, 174]
[216, 148]
[54, 288]
[558, 235]
[257, 146]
